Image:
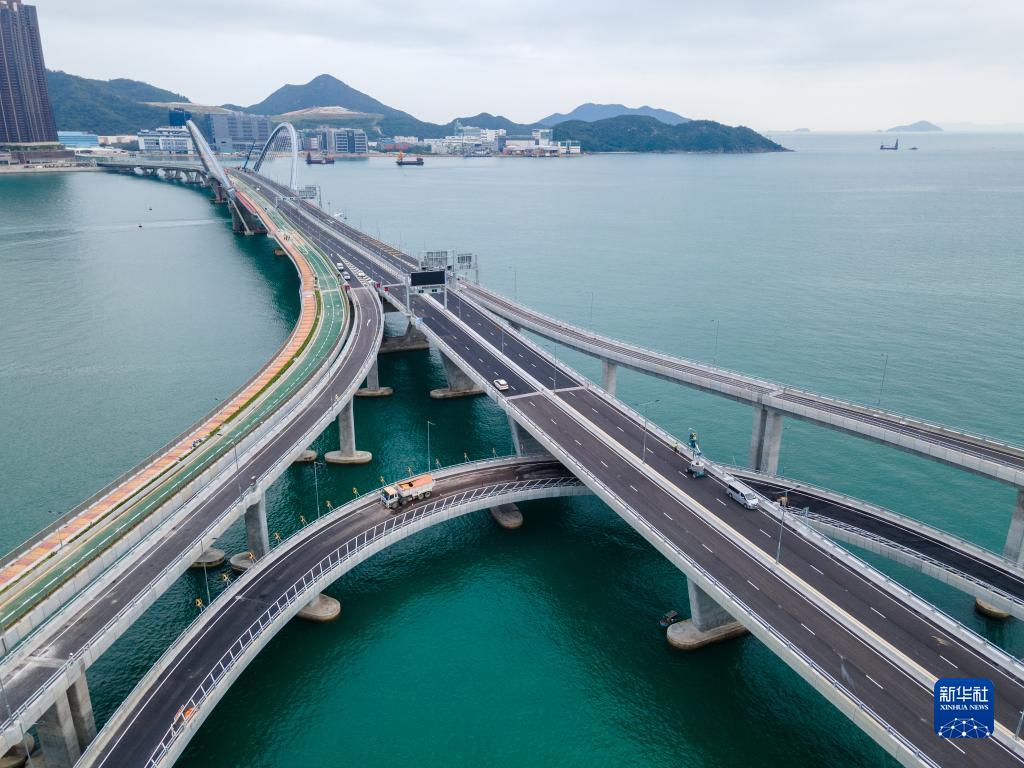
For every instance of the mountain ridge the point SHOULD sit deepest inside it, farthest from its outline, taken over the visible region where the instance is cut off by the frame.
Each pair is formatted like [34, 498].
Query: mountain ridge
[591, 112]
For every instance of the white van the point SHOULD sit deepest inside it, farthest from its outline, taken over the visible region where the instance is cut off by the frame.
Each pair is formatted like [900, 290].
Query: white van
[741, 493]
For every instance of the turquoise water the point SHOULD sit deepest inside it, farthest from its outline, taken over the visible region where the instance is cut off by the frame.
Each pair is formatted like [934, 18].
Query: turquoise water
[470, 644]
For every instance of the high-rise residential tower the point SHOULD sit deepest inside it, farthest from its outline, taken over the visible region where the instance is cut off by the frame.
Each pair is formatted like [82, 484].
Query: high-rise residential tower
[26, 116]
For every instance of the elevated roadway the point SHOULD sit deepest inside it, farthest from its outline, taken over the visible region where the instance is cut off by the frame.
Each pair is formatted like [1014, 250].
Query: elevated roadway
[870, 647]
[151, 728]
[138, 553]
[975, 453]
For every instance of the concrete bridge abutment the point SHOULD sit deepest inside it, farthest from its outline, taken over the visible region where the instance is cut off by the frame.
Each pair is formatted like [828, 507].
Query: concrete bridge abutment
[347, 453]
[765, 440]
[459, 384]
[609, 376]
[508, 516]
[322, 608]
[708, 623]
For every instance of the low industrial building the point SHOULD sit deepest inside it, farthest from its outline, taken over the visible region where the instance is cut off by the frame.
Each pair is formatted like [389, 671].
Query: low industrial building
[78, 139]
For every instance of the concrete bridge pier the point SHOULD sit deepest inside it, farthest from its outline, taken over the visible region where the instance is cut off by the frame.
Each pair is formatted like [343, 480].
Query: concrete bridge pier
[708, 623]
[67, 727]
[322, 608]
[347, 453]
[524, 443]
[373, 387]
[243, 222]
[459, 384]
[1013, 550]
[609, 376]
[508, 516]
[219, 196]
[257, 536]
[765, 440]
[413, 339]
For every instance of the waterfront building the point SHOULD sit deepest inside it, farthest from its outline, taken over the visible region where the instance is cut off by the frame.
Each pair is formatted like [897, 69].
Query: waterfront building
[237, 131]
[122, 139]
[336, 141]
[78, 139]
[169, 139]
[26, 116]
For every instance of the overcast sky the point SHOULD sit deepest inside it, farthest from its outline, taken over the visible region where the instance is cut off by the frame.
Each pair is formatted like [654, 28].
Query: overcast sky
[822, 64]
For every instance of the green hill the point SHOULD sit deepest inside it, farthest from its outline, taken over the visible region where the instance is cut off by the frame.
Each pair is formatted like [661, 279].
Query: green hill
[105, 106]
[635, 133]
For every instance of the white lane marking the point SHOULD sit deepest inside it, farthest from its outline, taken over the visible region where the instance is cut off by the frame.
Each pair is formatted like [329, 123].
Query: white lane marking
[681, 472]
[533, 404]
[577, 442]
[553, 422]
[807, 628]
[620, 429]
[634, 489]
[876, 611]
[762, 530]
[603, 464]
[818, 570]
[753, 585]
[869, 677]
[720, 502]
[948, 661]
[954, 746]
[709, 549]
[666, 514]
[593, 409]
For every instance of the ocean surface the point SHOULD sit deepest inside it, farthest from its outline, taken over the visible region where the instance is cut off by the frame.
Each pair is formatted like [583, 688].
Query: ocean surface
[881, 277]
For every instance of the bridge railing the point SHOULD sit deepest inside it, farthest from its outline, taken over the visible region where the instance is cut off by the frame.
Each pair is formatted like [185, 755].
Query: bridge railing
[752, 616]
[741, 378]
[266, 429]
[195, 427]
[528, 312]
[332, 562]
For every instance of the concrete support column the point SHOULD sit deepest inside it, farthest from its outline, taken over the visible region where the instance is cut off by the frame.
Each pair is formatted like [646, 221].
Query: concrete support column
[765, 440]
[1013, 550]
[524, 443]
[609, 376]
[347, 453]
[257, 532]
[373, 387]
[82, 716]
[413, 339]
[708, 623]
[57, 737]
[459, 384]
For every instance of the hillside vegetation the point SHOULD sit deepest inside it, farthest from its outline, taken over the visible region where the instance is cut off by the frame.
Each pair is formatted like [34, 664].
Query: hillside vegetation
[634, 133]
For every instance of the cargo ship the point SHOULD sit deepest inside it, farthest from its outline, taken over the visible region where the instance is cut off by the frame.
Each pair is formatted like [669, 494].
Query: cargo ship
[319, 159]
[402, 161]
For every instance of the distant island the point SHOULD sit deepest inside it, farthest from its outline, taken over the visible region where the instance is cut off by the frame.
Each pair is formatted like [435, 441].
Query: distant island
[591, 112]
[635, 133]
[801, 130]
[920, 126]
[123, 106]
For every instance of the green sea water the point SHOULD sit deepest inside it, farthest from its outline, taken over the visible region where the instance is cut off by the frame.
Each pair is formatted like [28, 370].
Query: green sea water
[468, 644]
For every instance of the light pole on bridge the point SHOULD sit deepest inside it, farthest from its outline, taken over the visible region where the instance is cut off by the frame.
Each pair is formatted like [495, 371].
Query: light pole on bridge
[643, 457]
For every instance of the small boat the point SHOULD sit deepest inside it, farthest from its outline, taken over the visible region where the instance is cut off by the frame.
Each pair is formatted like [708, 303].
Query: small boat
[402, 161]
[892, 147]
[913, 149]
[670, 618]
[323, 159]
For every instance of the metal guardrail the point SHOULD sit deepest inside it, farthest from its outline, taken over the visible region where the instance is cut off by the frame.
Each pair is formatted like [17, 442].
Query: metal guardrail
[207, 533]
[764, 625]
[322, 569]
[744, 379]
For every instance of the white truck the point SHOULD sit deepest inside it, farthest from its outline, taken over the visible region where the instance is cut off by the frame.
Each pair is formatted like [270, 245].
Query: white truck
[400, 494]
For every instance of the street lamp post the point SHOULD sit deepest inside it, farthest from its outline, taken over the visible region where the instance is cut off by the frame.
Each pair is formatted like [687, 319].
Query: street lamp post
[643, 456]
[782, 527]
